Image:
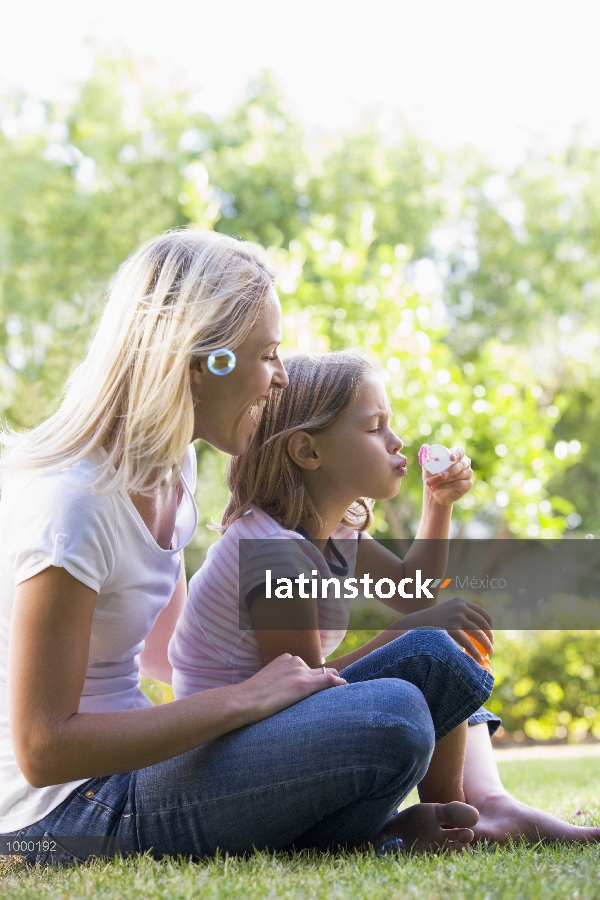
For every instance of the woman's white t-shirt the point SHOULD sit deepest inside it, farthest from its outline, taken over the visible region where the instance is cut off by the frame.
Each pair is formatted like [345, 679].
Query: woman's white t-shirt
[100, 539]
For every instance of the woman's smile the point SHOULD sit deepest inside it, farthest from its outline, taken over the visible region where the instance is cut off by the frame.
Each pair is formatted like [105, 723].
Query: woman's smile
[257, 405]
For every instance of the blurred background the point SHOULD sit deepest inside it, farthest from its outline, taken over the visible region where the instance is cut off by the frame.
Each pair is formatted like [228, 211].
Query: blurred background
[426, 178]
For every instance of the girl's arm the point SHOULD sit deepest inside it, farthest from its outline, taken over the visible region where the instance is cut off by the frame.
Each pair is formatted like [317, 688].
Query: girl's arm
[290, 627]
[303, 639]
[429, 552]
[154, 660]
[48, 656]
[455, 616]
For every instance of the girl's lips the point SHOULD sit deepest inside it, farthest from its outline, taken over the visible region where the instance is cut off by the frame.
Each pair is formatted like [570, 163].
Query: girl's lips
[402, 468]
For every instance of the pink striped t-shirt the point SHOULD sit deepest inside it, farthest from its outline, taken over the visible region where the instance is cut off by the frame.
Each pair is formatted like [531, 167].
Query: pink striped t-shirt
[213, 644]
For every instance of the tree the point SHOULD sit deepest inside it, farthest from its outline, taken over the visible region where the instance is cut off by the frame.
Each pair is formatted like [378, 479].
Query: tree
[522, 266]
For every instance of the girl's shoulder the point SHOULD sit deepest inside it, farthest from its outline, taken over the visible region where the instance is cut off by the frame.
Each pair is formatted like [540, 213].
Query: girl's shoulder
[257, 524]
[254, 526]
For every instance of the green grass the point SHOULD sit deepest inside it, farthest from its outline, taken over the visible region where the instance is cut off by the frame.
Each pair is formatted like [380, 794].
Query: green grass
[511, 873]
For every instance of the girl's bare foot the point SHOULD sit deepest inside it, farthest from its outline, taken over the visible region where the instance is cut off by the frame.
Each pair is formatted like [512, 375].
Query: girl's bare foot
[431, 827]
[502, 818]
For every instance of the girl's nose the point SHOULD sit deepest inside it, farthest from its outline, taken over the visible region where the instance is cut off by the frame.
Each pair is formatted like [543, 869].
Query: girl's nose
[395, 444]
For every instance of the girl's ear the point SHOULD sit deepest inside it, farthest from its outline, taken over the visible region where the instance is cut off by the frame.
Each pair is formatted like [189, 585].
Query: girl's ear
[302, 450]
[196, 371]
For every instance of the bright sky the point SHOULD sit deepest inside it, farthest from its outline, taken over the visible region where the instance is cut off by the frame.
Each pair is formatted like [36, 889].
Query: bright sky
[496, 74]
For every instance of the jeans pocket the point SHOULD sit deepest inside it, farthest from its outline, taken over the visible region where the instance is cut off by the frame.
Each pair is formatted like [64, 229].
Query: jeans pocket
[65, 850]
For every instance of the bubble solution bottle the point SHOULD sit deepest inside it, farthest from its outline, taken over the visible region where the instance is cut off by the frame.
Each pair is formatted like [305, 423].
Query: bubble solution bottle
[486, 659]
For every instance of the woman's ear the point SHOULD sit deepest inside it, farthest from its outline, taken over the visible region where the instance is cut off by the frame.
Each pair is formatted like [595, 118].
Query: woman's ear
[196, 371]
[301, 448]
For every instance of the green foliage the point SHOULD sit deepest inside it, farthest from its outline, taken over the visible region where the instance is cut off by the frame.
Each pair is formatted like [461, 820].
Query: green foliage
[388, 192]
[547, 684]
[524, 267]
[157, 691]
[257, 163]
[76, 198]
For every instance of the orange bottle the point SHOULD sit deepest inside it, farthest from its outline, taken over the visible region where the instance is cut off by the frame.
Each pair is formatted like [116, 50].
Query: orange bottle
[486, 659]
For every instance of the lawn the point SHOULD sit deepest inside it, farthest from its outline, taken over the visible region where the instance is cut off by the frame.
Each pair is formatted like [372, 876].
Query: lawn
[570, 788]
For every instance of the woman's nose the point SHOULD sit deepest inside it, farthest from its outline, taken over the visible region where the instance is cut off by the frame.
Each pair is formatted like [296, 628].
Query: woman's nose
[280, 376]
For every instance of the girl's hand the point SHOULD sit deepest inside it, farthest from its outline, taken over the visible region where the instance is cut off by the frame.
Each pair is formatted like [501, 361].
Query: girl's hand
[283, 682]
[456, 616]
[452, 484]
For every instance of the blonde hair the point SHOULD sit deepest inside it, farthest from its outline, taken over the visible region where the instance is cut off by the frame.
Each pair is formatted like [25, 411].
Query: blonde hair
[321, 387]
[181, 296]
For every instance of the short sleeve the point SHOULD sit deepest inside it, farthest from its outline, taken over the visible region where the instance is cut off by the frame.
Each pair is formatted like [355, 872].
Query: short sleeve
[190, 469]
[274, 558]
[55, 521]
[186, 520]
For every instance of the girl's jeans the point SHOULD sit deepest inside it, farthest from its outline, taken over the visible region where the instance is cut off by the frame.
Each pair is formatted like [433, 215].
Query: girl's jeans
[328, 771]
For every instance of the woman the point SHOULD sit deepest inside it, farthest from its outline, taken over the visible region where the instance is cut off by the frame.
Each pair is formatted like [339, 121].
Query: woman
[95, 511]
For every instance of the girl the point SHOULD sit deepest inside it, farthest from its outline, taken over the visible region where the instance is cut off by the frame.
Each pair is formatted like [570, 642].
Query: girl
[322, 447]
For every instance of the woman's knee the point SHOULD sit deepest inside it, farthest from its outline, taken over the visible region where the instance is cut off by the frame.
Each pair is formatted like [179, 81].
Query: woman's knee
[392, 716]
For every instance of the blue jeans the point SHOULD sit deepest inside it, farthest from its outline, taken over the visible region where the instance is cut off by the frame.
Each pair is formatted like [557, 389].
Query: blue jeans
[326, 772]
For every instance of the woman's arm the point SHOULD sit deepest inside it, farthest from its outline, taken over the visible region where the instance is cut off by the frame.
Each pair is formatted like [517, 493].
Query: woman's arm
[154, 661]
[48, 655]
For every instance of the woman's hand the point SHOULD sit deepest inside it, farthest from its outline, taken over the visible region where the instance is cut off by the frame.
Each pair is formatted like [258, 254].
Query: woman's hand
[459, 618]
[283, 682]
[452, 484]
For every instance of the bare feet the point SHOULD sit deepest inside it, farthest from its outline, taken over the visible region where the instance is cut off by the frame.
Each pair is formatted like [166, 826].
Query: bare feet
[431, 827]
[501, 818]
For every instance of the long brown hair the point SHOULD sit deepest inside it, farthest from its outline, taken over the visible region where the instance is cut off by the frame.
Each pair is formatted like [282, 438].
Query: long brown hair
[321, 387]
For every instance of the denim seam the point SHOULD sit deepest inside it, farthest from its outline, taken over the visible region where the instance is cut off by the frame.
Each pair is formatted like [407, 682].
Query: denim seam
[91, 801]
[295, 781]
[485, 717]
